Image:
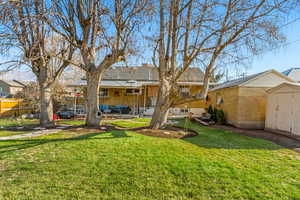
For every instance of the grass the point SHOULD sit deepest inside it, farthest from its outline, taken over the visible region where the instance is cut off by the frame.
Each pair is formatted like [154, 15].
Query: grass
[128, 123]
[10, 133]
[12, 122]
[216, 164]
[71, 122]
[147, 120]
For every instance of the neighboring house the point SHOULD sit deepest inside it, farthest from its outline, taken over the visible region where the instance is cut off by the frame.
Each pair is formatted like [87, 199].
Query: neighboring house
[293, 73]
[283, 109]
[138, 86]
[10, 88]
[244, 100]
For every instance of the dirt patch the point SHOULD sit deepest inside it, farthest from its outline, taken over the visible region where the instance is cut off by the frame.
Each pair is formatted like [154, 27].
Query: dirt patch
[85, 129]
[282, 140]
[167, 132]
[30, 127]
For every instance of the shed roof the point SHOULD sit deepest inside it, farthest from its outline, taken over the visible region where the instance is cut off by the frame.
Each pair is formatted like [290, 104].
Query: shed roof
[287, 72]
[13, 83]
[244, 80]
[290, 85]
[293, 73]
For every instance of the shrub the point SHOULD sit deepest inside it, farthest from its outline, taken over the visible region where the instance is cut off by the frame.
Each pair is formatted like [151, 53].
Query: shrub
[220, 117]
[210, 110]
[217, 115]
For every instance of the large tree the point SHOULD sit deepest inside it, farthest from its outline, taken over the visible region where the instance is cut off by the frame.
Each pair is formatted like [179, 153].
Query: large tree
[33, 44]
[205, 32]
[102, 31]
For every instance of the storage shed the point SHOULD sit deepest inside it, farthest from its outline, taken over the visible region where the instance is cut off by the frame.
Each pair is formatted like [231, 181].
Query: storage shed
[283, 109]
[244, 100]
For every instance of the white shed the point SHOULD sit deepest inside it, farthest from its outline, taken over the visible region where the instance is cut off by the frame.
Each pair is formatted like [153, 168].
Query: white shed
[283, 109]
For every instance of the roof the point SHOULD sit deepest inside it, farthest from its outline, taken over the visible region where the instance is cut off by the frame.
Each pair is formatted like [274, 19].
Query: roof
[293, 73]
[287, 72]
[130, 83]
[121, 76]
[13, 83]
[246, 79]
[148, 72]
[294, 85]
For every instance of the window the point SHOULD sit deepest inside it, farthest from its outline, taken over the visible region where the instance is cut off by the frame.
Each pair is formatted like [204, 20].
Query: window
[132, 91]
[219, 99]
[184, 92]
[117, 93]
[103, 92]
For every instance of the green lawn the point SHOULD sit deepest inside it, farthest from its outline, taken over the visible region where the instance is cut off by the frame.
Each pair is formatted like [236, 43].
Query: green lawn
[216, 164]
[71, 122]
[128, 123]
[21, 122]
[10, 133]
[147, 120]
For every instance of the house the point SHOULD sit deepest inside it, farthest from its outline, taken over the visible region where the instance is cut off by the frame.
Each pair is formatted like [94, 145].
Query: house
[10, 88]
[244, 100]
[293, 73]
[137, 87]
[283, 109]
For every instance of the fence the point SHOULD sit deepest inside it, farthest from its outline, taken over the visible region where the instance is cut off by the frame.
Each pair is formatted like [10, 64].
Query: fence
[15, 107]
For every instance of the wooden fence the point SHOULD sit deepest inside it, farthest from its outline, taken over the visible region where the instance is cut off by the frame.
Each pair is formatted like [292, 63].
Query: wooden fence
[15, 107]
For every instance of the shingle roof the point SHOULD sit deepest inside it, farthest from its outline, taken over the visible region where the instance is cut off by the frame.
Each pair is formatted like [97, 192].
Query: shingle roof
[287, 72]
[294, 85]
[13, 83]
[129, 83]
[236, 82]
[148, 72]
[241, 81]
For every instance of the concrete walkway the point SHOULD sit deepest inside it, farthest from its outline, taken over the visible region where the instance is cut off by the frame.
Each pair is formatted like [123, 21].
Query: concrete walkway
[35, 133]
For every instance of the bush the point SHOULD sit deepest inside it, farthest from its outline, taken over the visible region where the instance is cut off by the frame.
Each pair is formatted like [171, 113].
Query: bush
[217, 115]
[210, 110]
[220, 117]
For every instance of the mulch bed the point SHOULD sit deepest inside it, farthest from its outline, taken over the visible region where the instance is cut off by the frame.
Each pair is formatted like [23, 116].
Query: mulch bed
[167, 132]
[30, 127]
[85, 129]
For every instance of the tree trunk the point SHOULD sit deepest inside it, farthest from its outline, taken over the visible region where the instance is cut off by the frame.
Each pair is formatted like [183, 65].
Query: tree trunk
[93, 119]
[46, 106]
[162, 107]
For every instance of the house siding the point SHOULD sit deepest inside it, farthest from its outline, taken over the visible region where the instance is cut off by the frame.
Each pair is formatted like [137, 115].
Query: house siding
[229, 104]
[252, 107]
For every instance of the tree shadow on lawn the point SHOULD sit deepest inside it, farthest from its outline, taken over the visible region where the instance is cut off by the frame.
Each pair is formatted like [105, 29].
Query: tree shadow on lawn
[28, 143]
[214, 138]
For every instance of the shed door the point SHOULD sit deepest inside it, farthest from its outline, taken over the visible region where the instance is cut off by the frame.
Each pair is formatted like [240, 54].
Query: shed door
[271, 115]
[284, 111]
[296, 114]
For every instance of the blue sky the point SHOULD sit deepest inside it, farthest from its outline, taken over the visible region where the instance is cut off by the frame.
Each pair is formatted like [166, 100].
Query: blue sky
[280, 59]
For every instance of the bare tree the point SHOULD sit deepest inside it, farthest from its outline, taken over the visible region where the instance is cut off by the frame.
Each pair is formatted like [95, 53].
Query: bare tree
[102, 32]
[204, 32]
[34, 45]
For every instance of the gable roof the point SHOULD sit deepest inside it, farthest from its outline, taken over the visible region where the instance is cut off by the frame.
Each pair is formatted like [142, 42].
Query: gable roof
[148, 73]
[287, 72]
[13, 83]
[292, 85]
[244, 80]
